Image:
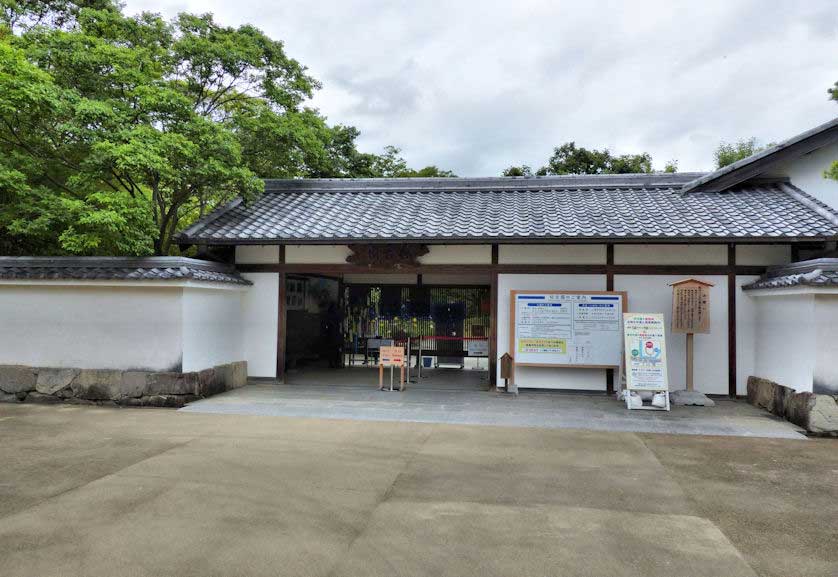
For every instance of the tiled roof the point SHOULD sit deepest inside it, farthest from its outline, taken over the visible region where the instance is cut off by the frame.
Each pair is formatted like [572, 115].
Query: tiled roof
[821, 272]
[117, 268]
[562, 208]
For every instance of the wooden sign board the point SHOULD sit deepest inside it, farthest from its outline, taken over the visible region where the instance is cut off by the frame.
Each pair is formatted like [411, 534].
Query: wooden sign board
[391, 356]
[566, 328]
[691, 306]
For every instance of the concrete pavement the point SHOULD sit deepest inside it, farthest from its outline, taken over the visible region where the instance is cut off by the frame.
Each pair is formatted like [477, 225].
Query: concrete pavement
[153, 492]
[544, 409]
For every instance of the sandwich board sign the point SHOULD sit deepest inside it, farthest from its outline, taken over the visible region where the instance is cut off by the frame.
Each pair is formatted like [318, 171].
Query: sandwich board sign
[644, 338]
[391, 356]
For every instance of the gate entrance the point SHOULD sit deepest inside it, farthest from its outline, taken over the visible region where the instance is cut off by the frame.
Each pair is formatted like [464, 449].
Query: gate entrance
[332, 325]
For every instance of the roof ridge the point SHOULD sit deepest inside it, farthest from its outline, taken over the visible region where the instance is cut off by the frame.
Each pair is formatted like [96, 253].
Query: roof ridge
[811, 202]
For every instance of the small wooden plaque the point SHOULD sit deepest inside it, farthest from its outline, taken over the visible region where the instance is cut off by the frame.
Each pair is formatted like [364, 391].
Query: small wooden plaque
[691, 306]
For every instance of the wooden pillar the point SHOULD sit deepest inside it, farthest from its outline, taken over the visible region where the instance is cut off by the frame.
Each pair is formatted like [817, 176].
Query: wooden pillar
[493, 319]
[282, 316]
[609, 286]
[731, 320]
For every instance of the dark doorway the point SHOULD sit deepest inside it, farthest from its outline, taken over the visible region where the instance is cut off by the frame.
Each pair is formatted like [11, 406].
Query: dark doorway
[314, 322]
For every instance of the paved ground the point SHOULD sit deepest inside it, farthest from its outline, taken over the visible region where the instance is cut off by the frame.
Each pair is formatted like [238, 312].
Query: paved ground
[88, 491]
[427, 404]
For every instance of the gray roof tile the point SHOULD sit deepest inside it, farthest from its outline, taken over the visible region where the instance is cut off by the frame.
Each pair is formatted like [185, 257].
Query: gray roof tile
[821, 272]
[117, 268]
[561, 208]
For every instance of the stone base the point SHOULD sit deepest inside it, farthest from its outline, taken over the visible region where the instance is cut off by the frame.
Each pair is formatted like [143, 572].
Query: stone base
[818, 414]
[691, 398]
[114, 387]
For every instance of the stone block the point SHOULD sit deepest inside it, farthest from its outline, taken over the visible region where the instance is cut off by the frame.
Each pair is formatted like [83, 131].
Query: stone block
[239, 374]
[761, 393]
[797, 409]
[225, 375]
[8, 397]
[51, 381]
[17, 378]
[36, 397]
[171, 384]
[823, 415]
[134, 384]
[210, 382]
[97, 384]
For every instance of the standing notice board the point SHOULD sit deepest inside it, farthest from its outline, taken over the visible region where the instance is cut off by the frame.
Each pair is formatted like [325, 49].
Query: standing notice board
[566, 328]
[645, 338]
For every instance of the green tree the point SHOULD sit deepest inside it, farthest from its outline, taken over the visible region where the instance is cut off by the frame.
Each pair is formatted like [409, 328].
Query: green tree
[832, 171]
[571, 159]
[522, 170]
[118, 131]
[391, 164]
[730, 152]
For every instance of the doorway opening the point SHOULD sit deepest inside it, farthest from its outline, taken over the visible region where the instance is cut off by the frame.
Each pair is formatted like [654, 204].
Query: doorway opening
[335, 330]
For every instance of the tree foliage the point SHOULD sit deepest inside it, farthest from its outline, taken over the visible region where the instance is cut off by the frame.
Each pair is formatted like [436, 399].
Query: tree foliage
[832, 171]
[730, 152]
[571, 159]
[118, 131]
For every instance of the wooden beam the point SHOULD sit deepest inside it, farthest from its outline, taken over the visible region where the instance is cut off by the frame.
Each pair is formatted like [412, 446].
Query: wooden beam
[282, 317]
[493, 319]
[731, 320]
[634, 269]
[281, 340]
[609, 286]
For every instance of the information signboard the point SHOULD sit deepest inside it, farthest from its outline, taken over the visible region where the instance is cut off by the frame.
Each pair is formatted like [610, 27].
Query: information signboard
[691, 306]
[477, 348]
[390, 356]
[566, 328]
[645, 350]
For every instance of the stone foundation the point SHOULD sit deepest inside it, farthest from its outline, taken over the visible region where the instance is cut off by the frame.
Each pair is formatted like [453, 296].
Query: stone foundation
[818, 414]
[108, 387]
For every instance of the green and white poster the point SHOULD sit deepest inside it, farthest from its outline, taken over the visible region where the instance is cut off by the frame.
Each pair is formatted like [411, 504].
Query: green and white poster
[645, 345]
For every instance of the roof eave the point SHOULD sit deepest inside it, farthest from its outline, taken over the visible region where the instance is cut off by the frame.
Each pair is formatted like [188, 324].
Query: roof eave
[759, 163]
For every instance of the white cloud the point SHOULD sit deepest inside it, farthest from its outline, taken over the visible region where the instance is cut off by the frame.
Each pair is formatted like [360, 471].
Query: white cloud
[474, 86]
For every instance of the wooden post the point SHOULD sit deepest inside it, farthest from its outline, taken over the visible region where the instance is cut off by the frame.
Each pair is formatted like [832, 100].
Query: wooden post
[689, 361]
[380, 377]
[281, 330]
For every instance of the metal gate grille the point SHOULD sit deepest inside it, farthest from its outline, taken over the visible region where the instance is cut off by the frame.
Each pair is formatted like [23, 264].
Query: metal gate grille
[398, 312]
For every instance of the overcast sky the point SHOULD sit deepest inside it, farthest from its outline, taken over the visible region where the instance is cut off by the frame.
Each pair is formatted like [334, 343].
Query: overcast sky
[474, 85]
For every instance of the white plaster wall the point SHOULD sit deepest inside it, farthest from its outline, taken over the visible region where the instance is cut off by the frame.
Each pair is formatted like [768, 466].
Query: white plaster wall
[542, 377]
[652, 294]
[825, 379]
[211, 327]
[763, 254]
[746, 335]
[257, 254]
[458, 254]
[806, 173]
[785, 340]
[317, 254]
[259, 319]
[92, 327]
[552, 254]
[670, 254]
